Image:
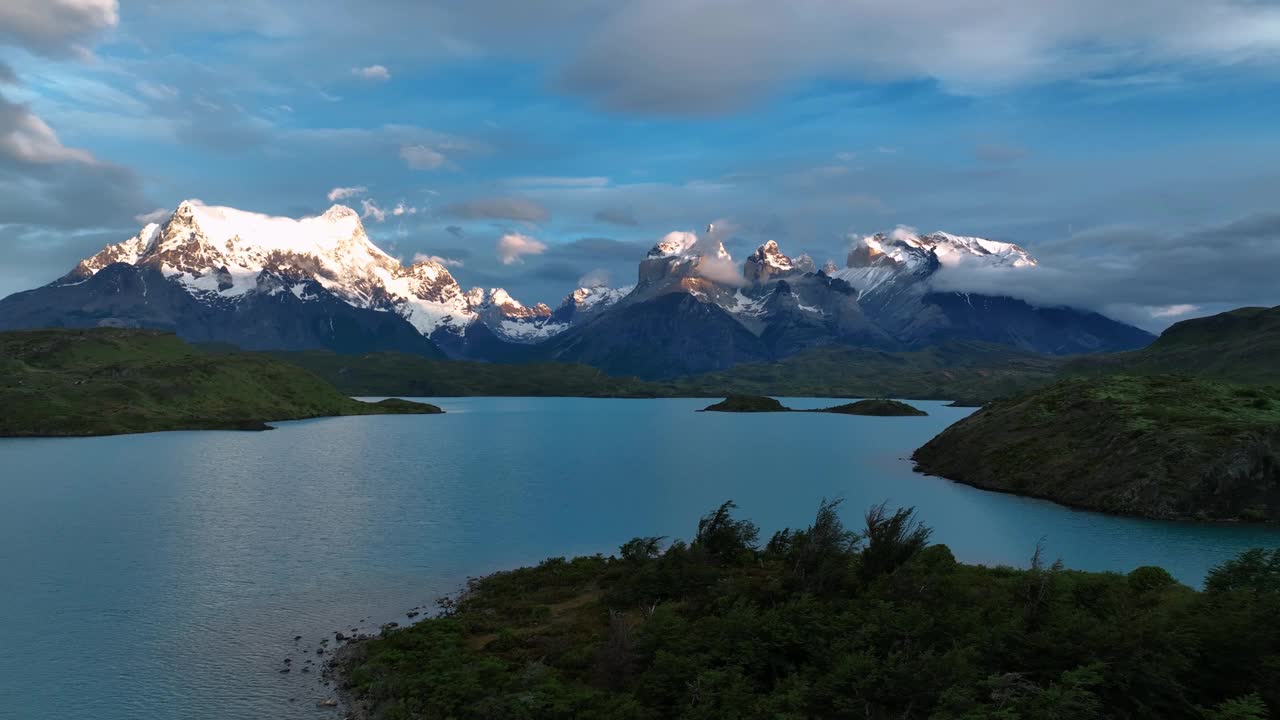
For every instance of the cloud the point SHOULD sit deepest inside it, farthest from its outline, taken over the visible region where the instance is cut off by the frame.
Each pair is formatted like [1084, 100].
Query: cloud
[716, 57]
[445, 261]
[598, 249]
[421, 157]
[56, 28]
[372, 210]
[1140, 272]
[376, 73]
[1172, 311]
[598, 277]
[455, 231]
[499, 208]
[7, 75]
[616, 216]
[401, 210]
[157, 91]
[559, 182]
[513, 246]
[28, 139]
[342, 193]
[158, 215]
[999, 154]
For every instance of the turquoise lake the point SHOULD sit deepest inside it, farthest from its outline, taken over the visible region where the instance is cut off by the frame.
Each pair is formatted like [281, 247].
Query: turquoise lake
[166, 575]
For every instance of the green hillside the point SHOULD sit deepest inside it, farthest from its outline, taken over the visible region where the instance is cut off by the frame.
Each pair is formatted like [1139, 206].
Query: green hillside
[111, 381]
[827, 622]
[1156, 446]
[1238, 346]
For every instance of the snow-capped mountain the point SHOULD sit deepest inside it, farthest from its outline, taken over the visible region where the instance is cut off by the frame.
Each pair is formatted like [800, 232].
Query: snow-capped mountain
[883, 298]
[223, 257]
[218, 274]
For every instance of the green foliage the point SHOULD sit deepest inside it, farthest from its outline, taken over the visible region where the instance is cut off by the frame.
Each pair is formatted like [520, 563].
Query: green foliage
[801, 628]
[109, 381]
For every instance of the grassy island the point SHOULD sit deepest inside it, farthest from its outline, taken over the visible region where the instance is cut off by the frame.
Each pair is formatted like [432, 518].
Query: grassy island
[823, 622]
[876, 408]
[112, 381]
[759, 403]
[1156, 446]
[747, 404]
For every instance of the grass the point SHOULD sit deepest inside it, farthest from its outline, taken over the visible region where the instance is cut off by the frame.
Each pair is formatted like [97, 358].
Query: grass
[112, 381]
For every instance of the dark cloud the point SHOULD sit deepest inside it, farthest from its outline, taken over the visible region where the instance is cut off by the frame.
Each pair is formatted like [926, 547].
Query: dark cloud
[498, 208]
[1131, 271]
[617, 216]
[7, 75]
[455, 231]
[598, 249]
[56, 28]
[557, 272]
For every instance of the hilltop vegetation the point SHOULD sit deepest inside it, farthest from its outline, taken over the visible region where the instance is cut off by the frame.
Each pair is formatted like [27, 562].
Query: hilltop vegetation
[111, 381]
[827, 623]
[1239, 346]
[1156, 446]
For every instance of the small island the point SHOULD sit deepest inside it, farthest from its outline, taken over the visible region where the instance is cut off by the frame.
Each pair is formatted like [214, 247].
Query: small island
[110, 381]
[827, 622]
[757, 403]
[1166, 447]
[876, 408]
[747, 404]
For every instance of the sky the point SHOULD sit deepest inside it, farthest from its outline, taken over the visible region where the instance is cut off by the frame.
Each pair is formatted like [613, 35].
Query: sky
[1131, 147]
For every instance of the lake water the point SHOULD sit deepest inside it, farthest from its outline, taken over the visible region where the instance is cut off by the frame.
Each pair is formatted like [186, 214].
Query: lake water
[166, 575]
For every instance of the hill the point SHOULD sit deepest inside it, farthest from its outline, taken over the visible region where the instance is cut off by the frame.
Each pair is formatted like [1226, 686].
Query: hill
[1155, 446]
[824, 622]
[1237, 346]
[113, 381]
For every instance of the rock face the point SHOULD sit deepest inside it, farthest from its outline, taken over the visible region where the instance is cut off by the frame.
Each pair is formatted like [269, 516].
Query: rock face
[1160, 447]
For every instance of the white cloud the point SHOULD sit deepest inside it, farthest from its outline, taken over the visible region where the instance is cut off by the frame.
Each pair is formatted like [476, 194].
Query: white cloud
[552, 181]
[1172, 311]
[155, 216]
[157, 91]
[421, 157]
[595, 278]
[376, 73]
[445, 261]
[401, 209]
[371, 210]
[514, 245]
[341, 193]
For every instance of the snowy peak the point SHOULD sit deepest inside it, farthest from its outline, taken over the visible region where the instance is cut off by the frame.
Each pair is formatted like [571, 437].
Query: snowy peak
[767, 262]
[882, 258]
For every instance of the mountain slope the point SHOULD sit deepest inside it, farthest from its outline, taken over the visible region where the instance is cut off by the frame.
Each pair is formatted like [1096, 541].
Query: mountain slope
[1159, 446]
[671, 335]
[121, 295]
[111, 381]
[1237, 346]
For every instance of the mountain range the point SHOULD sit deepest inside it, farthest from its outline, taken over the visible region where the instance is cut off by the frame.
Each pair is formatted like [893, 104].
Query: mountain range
[217, 274]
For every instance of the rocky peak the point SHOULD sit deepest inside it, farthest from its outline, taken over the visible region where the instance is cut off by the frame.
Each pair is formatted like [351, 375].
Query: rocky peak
[766, 262]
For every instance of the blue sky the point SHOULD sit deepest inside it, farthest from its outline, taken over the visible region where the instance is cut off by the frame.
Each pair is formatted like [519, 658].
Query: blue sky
[1132, 147]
